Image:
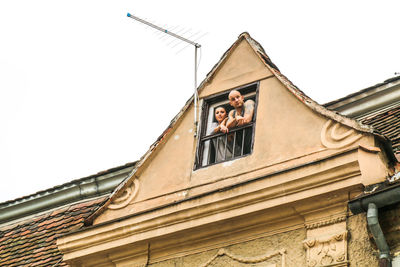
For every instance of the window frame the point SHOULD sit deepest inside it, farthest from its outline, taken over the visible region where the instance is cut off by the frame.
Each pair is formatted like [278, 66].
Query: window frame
[218, 98]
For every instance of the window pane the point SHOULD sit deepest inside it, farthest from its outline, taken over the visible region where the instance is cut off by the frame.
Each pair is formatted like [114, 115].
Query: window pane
[238, 143]
[223, 149]
[248, 135]
[214, 146]
[206, 153]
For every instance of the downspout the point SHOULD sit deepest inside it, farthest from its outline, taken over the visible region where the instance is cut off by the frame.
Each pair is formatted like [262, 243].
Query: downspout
[379, 237]
[371, 203]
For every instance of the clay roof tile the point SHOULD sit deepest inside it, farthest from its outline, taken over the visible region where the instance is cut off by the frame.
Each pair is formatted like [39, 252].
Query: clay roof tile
[33, 242]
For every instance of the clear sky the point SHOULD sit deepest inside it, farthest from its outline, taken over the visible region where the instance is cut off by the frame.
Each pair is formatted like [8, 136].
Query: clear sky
[83, 88]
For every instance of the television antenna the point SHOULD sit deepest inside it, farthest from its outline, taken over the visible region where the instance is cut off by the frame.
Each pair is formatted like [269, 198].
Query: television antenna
[196, 47]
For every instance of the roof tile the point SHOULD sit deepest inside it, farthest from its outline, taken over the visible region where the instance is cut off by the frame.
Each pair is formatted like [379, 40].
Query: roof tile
[387, 123]
[33, 242]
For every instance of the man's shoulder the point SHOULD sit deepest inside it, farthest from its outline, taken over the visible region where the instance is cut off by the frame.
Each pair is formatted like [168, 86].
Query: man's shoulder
[249, 102]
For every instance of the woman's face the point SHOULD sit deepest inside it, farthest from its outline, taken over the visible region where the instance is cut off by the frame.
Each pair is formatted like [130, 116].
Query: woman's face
[220, 114]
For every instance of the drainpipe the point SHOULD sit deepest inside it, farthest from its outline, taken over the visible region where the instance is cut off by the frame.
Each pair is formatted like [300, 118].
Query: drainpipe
[371, 203]
[376, 230]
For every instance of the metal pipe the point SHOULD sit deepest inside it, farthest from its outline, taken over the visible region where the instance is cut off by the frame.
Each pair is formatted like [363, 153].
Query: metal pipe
[195, 91]
[71, 192]
[380, 199]
[379, 237]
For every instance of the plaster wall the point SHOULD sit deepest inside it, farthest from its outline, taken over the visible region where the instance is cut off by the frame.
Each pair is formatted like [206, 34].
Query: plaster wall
[290, 241]
[389, 219]
[361, 250]
[241, 67]
[287, 134]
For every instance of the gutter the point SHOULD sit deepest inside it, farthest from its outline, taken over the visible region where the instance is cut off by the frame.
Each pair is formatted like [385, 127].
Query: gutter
[370, 204]
[81, 189]
[370, 100]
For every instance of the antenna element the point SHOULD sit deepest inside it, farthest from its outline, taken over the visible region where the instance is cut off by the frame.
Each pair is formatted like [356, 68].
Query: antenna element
[196, 46]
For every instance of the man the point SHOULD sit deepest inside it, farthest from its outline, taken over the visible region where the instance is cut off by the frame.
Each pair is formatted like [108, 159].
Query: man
[242, 113]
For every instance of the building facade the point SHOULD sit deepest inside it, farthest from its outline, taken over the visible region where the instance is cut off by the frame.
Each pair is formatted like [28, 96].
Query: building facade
[280, 200]
[292, 187]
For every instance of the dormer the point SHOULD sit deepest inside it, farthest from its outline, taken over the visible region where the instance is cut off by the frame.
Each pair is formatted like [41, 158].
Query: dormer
[293, 166]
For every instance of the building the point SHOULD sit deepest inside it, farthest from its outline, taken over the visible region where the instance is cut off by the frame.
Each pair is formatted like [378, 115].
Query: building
[289, 188]
[30, 225]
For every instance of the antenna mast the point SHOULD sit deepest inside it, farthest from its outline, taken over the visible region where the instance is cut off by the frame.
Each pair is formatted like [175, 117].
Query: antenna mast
[196, 46]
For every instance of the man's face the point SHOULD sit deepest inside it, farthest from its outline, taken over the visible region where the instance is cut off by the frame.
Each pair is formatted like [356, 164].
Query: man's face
[236, 100]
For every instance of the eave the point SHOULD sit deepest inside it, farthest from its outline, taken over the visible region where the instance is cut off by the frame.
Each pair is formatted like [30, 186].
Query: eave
[284, 190]
[97, 185]
[365, 102]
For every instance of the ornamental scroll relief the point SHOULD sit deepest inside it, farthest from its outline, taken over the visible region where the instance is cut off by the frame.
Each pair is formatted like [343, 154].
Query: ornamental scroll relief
[126, 197]
[336, 136]
[248, 260]
[327, 250]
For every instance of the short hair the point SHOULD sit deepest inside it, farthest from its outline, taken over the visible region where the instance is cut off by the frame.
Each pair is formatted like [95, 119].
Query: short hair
[234, 90]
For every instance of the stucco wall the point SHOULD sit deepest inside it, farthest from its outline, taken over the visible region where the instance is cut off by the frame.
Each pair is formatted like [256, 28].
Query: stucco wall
[389, 219]
[290, 241]
[361, 251]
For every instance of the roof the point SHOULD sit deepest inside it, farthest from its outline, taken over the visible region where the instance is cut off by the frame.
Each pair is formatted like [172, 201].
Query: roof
[76, 190]
[260, 52]
[362, 92]
[377, 106]
[387, 123]
[33, 242]
[382, 96]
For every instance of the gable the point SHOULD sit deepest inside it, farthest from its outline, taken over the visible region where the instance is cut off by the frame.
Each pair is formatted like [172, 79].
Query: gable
[291, 131]
[240, 66]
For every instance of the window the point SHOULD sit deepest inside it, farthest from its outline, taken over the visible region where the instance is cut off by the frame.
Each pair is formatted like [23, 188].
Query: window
[215, 146]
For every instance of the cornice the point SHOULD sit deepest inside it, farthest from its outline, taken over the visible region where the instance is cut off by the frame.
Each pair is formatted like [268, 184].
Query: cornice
[242, 199]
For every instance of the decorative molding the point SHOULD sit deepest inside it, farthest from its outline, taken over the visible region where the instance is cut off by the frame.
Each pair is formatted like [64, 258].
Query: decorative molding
[205, 209]
[132, 256]
[327, 250]
[330, 137]
[247, 260]
[325, 221]
[126, 197]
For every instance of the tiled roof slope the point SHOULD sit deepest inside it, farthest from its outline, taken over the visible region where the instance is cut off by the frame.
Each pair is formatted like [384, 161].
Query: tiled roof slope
[387, 123]
[66, 185]
[362, 92]
[33, 242]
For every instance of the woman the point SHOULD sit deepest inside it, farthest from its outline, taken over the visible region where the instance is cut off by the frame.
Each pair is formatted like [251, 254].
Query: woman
[222, 117]
[222, 151]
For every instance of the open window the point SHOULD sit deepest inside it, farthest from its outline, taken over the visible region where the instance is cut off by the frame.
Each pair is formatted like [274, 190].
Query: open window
[215, 147]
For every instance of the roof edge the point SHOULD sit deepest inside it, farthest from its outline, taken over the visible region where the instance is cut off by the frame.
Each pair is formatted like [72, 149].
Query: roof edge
[153, 147]
[88, 187]
[260, 52]
[332, 104]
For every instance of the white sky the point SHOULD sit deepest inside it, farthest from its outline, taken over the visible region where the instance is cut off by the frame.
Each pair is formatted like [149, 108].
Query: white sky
[83, 88]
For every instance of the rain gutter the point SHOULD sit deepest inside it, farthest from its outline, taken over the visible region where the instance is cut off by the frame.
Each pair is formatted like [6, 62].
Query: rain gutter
[78, 190]
[370, 204]
[368, 101]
